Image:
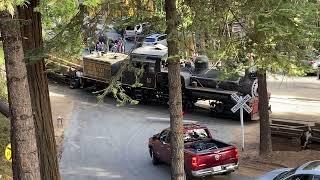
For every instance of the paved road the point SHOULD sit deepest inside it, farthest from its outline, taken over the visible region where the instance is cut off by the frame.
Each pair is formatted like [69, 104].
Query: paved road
[295, 98]
[108, 142]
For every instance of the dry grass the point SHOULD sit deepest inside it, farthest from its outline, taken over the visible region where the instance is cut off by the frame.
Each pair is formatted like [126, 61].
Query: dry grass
[1, 55]
[5, 167]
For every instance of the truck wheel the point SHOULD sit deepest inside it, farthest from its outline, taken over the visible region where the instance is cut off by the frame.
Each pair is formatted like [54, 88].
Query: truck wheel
[226, 173]
[155, 160]
[187, 176]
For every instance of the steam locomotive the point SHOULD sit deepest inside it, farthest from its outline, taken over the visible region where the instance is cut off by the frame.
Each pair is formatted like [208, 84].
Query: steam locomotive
[198, 81]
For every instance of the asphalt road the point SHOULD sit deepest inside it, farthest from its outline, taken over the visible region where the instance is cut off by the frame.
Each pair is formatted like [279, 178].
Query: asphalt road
[104, 142]
[295, 98]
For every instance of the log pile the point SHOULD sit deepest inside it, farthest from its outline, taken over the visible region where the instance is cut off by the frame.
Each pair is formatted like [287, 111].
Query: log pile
[297, 135]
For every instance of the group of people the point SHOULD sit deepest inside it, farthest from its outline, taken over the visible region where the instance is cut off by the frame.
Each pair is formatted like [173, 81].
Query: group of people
[106, 45]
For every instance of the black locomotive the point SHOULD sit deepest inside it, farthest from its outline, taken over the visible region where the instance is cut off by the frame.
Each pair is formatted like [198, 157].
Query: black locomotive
[199, 82]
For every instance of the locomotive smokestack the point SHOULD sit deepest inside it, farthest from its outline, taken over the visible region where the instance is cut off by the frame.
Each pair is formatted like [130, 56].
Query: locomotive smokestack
[201, 63]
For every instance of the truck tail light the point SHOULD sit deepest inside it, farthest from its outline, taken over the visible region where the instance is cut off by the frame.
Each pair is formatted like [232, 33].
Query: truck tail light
[236, 153]
[194, 162]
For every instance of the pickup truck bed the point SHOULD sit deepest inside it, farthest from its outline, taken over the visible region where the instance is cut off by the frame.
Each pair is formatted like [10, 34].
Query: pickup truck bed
[210, 157]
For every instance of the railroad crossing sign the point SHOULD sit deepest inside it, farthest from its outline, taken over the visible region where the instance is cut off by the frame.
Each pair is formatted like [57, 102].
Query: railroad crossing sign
[7, 153]
[241, 104]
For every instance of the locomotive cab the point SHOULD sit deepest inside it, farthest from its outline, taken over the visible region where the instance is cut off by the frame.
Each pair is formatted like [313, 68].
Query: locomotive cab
[148, 59]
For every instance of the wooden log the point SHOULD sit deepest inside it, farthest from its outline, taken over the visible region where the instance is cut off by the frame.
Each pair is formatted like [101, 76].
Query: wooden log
[62, 61]
[303, 127]
[315, 132]
[286, 128]
[314, 139]
[289, 123]
[286, 132]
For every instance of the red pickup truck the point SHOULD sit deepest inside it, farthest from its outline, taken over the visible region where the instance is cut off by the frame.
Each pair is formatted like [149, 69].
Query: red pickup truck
[203, 155]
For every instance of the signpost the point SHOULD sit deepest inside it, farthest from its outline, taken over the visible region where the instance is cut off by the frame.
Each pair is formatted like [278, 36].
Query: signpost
[241, 104]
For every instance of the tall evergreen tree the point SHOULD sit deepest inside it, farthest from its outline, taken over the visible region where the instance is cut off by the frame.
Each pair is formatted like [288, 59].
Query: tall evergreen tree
[25, 161]
[39, 92]
[175, 94]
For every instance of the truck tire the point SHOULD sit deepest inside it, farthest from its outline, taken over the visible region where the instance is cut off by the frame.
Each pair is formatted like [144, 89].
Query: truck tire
[227, 173]
[155, 160]
[187, 176]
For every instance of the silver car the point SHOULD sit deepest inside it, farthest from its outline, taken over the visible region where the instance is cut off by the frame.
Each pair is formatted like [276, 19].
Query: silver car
[307, 171]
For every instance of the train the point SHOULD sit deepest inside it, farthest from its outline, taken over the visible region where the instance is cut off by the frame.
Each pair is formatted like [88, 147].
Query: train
[199, 81]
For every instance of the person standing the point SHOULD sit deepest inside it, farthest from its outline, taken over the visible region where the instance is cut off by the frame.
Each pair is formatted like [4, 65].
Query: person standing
[120, 47]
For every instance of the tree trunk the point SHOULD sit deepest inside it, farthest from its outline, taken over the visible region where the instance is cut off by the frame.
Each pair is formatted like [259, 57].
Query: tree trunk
[175, 95]
[25, 162]
[265, 132]
[39, 91]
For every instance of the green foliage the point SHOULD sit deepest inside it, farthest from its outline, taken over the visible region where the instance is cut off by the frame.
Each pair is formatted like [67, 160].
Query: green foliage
[9, 5]
[93, 3]
[117, 90]
[61, 23]
[278, 33]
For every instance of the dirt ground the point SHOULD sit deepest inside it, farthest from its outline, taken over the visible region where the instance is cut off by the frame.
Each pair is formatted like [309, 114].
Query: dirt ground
[254, 165]
[287, 153]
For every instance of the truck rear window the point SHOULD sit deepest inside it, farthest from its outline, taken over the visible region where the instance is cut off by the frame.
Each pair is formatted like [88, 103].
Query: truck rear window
[195, 134]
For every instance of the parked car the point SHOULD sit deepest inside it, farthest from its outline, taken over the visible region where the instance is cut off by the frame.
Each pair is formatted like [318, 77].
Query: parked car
[313, 66]
[312, 62]
[307, 171]
[138, 29]
[156, 39]
[203, 155]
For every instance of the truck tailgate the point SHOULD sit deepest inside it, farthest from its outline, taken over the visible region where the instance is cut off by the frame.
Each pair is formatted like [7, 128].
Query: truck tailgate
[217, 157]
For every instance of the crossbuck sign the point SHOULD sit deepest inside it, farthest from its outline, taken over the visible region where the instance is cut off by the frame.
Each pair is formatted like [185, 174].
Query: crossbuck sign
[241, 104]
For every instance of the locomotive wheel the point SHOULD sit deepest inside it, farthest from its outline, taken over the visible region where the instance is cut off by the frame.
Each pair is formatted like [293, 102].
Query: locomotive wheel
[188, 106]
[217, 108]
[73, 83]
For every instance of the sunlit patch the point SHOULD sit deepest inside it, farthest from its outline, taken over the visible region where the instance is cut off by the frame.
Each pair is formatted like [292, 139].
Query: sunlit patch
[168, 119]
[56, 94]
[295, 108]
[90, 171]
